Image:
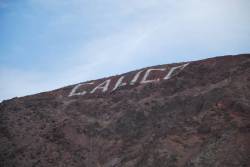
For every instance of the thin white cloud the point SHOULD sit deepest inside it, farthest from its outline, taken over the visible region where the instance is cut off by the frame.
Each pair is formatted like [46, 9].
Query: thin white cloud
[132, 34]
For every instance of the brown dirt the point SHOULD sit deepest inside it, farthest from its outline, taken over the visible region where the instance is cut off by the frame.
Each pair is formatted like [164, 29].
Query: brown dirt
[198, 118]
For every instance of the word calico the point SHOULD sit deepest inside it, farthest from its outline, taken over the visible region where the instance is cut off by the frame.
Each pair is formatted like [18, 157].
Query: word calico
[141, 77]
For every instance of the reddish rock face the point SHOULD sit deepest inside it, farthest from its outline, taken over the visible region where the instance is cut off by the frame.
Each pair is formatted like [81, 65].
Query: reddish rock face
[199, 117]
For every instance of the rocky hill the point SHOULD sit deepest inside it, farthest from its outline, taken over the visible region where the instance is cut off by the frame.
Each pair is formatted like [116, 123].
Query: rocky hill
[191, 114]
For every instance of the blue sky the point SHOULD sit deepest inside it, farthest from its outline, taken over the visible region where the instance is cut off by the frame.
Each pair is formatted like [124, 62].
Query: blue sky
[47, 44]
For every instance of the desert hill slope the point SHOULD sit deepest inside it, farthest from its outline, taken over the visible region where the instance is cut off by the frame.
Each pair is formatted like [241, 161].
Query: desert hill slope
[191, 114]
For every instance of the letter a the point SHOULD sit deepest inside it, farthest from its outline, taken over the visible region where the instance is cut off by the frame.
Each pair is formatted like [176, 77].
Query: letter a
[104, 86]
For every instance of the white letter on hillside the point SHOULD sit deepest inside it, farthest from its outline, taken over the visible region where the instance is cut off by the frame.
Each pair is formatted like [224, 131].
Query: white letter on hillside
[144, 79]
[73, 92]
[134, 80]
[104, 86]
[169, 75]
[119, 83]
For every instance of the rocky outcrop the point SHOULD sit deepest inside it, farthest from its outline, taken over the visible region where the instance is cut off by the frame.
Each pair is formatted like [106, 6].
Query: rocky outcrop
[200, 117]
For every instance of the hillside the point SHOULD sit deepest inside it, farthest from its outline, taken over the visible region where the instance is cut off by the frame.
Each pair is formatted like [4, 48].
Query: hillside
[190, 114]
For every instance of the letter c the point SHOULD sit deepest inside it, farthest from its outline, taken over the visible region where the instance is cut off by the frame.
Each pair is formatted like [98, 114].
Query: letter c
[73, 92]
